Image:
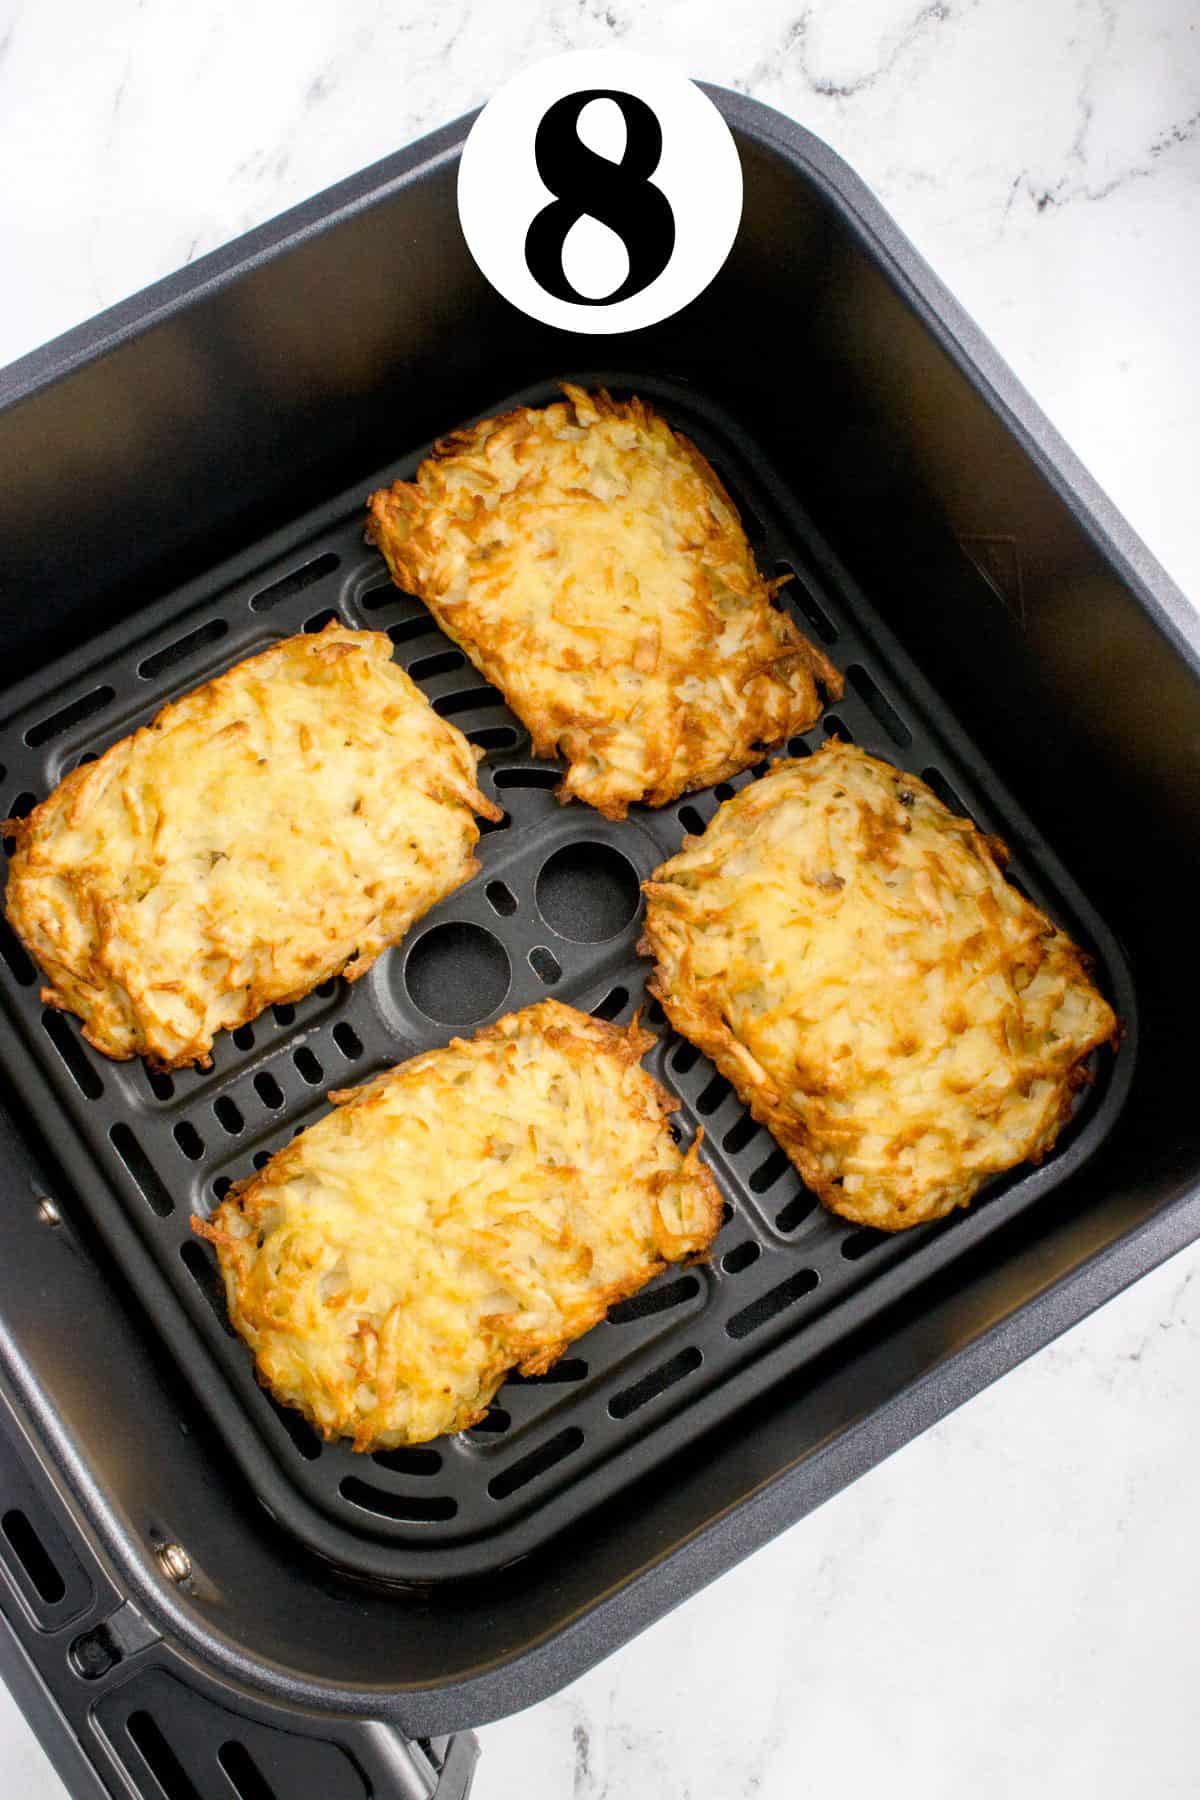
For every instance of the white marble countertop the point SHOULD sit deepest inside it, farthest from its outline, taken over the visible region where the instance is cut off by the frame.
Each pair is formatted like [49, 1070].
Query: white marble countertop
[1007, 1606]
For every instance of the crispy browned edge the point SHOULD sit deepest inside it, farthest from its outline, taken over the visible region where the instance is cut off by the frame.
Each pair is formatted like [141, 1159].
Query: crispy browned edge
[701, 1024]
[629, 1044]
[256, 1000]
[402, 496]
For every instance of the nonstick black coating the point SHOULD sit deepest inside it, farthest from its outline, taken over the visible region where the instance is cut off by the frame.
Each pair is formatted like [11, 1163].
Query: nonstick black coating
[554, 910]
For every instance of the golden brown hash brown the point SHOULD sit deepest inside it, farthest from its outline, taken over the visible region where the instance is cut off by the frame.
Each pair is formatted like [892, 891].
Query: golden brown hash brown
[589, 562]
[280, 824]
[851, 957]
[472, 1211]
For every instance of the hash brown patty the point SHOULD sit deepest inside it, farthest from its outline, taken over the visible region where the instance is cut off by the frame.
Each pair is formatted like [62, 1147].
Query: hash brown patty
[589, 562]
[471, 1211]
[893, 1010]
[281, 824]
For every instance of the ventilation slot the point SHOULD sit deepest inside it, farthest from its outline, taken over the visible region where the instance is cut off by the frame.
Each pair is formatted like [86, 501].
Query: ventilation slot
[159, 1757]
[182, 648]
[798, 746]
[66, 716]
[416, 1509]
[528, 778]
[328, 615]
[796, 1211]
[768, 1306]
[467, 700]
[285, 1014]
[243, 1037]
[500, 824]
[203, 1270]
[307, 1066]
[268, 1089]
[494, 1422]
[386, 594]
[189, 1140]
[295, 583]
[19, 965]
[879, 706]
[304, 1437]
[768, 1173]
[495, 737]
[406, 630]
[684, 1058]
[691, 821]
[567, 1368]
[739, 1135]
[21, 808]
[535, 1464]
[409, 1461]
[613, 1003]
[653, 1300]
[797, 592]
[859, 1243]
[161, 1086]
[228, 1115]
[347, 1041]
[33, 1557]
[740, 1257]
[724, 790]
[62, 1036]
[654, 1384]
[501, 899]
[545, 965]
[154, 1191]
[717, 1090]
[245, 1777]
[937, 781]
[834, 727]
[440, 663]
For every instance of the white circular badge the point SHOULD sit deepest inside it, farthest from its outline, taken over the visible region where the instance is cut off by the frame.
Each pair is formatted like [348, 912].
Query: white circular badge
[600, 191]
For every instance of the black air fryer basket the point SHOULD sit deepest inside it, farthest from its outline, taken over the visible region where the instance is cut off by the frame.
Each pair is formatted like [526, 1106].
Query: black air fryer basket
[201, 1596]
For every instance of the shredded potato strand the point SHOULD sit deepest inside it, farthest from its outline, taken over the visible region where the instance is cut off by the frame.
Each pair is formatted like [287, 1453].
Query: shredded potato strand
[590, 563]
[279, 825]
[473, 1210]
[851, 956]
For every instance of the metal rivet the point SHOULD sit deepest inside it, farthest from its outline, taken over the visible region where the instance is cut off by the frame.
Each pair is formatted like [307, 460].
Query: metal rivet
[48, 1212]
[174, 1562]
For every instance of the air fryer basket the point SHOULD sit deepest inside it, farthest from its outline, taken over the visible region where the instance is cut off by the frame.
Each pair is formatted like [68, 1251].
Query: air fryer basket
[187, 477]
[555, 909]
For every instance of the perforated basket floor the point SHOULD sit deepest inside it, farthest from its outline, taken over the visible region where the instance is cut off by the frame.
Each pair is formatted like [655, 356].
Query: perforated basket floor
[555, 909]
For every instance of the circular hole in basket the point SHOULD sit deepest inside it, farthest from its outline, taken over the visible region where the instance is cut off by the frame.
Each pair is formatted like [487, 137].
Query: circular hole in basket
[457, 973]
[588, 892]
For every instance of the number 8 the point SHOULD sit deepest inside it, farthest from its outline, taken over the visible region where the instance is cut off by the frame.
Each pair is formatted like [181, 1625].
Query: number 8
[618, 194]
